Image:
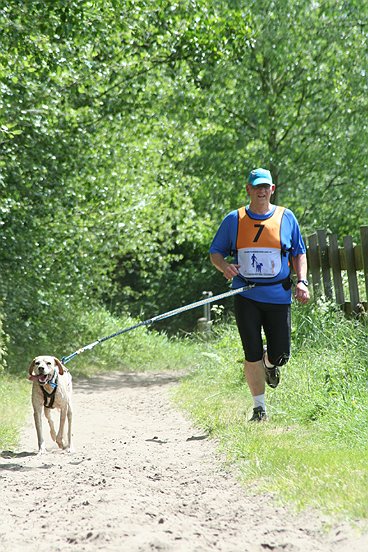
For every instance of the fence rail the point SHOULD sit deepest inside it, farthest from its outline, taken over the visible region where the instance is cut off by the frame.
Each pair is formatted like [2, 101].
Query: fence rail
[340, 272]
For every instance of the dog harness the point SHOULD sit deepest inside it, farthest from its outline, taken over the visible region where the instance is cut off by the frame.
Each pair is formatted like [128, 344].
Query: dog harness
[49, 390]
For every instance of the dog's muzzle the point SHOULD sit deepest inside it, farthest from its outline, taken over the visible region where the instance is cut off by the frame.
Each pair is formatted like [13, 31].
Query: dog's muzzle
[42, 379]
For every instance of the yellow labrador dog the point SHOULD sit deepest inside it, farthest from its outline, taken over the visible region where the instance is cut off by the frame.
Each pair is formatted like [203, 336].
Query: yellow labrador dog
[52, 388]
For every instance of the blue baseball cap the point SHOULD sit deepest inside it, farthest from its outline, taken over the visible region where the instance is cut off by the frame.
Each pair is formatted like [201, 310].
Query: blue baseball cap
[260, 176]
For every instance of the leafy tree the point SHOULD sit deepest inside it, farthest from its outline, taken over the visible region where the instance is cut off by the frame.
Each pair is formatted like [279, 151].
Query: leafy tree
[128, 129]
[289, 93]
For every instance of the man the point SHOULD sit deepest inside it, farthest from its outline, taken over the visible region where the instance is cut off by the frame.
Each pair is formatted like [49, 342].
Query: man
[262, 238]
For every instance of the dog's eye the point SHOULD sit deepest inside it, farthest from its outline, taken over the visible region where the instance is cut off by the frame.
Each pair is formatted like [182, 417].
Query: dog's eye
[48, 363]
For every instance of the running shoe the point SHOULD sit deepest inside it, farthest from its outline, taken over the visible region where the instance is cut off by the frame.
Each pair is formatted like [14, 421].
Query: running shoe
[272, 375]
[259, 415]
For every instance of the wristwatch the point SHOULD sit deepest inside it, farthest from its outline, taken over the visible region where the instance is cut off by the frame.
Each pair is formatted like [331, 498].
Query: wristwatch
[305, 282]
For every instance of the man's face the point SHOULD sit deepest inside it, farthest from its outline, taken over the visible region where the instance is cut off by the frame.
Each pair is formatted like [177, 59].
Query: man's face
[262, 192]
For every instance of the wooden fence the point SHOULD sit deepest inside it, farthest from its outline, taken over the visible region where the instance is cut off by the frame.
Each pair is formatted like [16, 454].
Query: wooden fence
[340, 273]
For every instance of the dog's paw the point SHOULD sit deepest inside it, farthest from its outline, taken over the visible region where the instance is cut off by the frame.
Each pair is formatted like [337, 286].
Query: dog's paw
[69, 449]
[60, 443]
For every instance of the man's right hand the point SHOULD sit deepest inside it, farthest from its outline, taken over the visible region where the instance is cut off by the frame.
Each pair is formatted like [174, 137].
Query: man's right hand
[228, 270]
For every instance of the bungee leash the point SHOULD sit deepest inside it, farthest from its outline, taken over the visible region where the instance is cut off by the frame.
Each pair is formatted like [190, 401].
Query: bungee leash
[179, 310]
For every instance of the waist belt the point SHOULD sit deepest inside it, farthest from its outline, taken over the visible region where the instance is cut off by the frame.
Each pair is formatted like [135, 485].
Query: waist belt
[286, 282]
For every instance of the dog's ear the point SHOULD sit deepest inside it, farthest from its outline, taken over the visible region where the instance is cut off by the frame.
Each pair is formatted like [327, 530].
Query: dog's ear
[59, 365]
[31, 366]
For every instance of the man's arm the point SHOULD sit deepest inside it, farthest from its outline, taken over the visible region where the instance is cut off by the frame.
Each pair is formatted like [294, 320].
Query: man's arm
[300, 267]
[227, 269]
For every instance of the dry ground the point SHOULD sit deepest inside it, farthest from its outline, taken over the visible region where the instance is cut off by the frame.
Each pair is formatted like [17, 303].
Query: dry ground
[143, 479]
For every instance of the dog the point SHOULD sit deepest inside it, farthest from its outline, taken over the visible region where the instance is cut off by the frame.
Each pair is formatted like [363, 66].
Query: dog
[259, 267]
[52, 388]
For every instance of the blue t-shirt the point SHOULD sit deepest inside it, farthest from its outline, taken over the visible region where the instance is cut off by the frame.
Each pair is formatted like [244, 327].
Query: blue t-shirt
[224, 243]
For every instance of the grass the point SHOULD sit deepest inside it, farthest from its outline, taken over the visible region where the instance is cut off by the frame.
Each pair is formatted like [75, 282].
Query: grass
[314, 450]
[14, 405]
[141, 349]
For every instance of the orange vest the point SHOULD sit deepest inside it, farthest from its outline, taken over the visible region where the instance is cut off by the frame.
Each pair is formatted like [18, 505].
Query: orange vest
[259, 244]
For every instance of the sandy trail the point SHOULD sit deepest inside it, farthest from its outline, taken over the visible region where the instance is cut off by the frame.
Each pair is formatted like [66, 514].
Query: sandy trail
[143, 479]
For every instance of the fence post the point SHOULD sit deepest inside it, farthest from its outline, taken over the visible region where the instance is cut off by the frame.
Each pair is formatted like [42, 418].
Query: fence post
[352, 277]
[325, 266]
[204, 323]
[336, 270]
[364, 240]
[207, 308]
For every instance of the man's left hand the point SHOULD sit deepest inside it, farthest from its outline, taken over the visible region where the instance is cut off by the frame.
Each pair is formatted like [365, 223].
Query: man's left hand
[302, 293]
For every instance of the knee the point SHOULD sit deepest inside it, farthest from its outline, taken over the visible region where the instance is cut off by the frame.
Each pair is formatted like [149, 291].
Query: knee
[281, 360]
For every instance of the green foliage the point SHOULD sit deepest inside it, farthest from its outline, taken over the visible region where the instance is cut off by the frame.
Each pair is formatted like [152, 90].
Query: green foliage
[14, 405]
[141, 349]
[128, 128]
[330, 381]
[313, 451]
[288, 93]
[85, 324]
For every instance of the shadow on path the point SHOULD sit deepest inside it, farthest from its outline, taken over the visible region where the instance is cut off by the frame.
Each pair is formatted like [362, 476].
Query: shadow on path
[14, 466]
[10, 454]
[119, 380]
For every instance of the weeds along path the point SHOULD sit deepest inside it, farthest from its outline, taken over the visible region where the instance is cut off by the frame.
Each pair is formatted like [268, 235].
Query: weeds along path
[142, 479]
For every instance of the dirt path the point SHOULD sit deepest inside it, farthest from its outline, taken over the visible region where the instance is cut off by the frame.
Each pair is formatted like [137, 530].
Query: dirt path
[142, 479]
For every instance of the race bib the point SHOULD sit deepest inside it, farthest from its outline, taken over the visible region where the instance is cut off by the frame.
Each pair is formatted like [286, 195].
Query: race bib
[259, 263]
